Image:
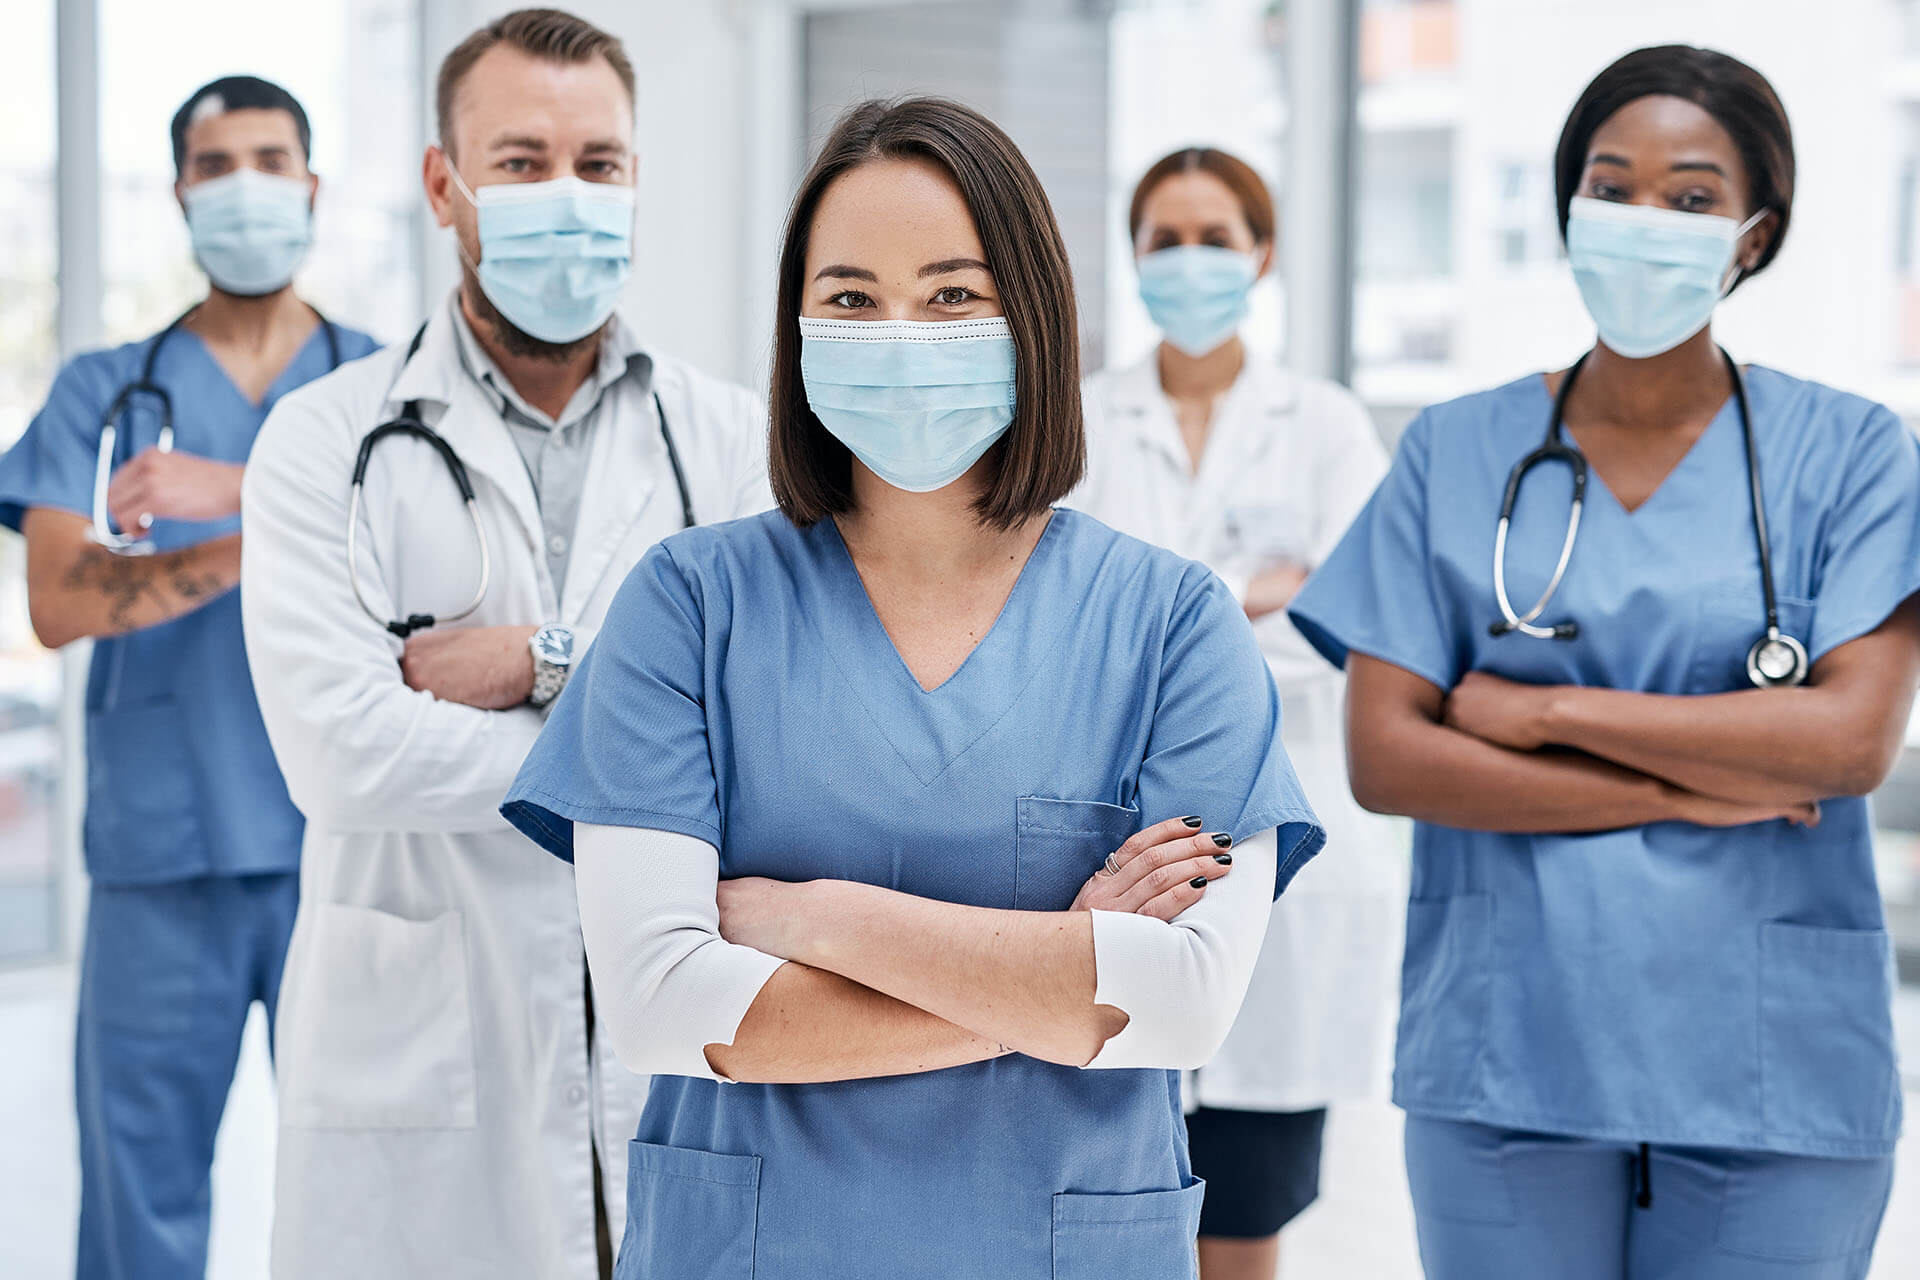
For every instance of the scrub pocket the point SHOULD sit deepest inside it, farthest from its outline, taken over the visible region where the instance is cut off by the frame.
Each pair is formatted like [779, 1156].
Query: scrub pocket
[377, 1023]
[1732, 616]
[1446, 992]
[1059, 843]
[1827, 1064]
[1146, 1236]
[689, 1214]
[141, 823]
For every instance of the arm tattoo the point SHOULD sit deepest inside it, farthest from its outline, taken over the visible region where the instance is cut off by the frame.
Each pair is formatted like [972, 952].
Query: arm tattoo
[143, 591]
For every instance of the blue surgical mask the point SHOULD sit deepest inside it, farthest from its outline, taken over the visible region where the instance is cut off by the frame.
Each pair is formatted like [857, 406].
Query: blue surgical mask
[1650, 277]
[553, 255]
[1197, 293]
[917, 402]
[250, 230]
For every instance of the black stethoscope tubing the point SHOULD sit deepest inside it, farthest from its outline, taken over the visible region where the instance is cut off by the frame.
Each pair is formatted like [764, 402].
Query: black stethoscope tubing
[1775, 659]
[410, 422]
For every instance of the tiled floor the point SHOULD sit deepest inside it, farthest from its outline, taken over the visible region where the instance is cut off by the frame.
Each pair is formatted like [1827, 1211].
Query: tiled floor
[1362, 1228]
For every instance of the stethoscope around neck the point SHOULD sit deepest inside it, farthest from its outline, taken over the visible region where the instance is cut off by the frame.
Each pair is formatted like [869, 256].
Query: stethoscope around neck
[409, 422]
[1776, 659]
[138, 544]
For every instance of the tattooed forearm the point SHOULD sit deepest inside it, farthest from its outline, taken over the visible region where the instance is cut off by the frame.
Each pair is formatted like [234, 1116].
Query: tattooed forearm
[124, 593]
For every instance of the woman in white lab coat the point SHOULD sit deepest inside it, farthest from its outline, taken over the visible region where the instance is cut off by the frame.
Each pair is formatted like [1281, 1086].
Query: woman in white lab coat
[1207, 449]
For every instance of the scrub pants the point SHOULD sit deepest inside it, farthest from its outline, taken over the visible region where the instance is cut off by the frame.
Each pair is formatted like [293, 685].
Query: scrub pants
[169, 973]
[1496, 1204]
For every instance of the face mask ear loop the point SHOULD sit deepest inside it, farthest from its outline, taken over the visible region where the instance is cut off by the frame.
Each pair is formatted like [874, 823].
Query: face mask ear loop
[1735, 272]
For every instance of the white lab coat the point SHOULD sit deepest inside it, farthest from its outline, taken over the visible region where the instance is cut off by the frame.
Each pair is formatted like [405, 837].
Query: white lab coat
[436, 1093]
[1288, 463]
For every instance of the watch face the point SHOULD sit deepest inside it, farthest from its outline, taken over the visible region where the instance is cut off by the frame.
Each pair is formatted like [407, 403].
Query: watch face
[554, 645]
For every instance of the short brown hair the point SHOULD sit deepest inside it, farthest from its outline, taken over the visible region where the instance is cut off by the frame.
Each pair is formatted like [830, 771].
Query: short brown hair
[1256, 202]
[1044, 451]
[552, 34]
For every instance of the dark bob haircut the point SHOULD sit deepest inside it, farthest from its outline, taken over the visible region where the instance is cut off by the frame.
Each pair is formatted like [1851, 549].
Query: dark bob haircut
[1043, 453]
[1249, 192]
[1729, 90]
[237, 93]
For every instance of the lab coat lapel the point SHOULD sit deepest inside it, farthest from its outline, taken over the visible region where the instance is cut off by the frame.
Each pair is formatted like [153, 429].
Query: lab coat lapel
[629, 466]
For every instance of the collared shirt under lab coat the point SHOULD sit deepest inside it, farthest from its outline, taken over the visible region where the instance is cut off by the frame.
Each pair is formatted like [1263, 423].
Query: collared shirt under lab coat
[437, 1097]
[1288, 463]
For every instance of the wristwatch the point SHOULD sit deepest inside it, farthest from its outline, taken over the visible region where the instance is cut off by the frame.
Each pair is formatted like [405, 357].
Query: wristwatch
[553, 655]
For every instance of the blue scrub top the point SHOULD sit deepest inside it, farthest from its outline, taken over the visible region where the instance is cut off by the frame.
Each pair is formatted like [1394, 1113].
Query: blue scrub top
[181, 780]
[1666, 983]
[743, 691]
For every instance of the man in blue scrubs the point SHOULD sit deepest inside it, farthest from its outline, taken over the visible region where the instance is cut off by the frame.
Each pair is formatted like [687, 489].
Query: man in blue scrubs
[191, 842]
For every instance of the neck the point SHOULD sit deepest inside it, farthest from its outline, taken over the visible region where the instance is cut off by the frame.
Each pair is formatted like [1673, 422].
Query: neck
[1201, 377]
[930, 537]
[254, 324]
[545, 383]
[1668, 390]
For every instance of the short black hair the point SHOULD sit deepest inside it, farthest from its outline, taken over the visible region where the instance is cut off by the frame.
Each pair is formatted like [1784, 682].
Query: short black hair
[1729, 90]
[238, 93]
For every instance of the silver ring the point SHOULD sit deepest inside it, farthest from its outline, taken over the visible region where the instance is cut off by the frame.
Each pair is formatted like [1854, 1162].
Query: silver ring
[1111, 868]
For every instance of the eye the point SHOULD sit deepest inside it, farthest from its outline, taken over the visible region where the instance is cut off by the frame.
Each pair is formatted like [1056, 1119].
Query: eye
[1695, 201]
[1217, 240]
[850, 300]
[954, 296]
[516, 164]
[1600, 190]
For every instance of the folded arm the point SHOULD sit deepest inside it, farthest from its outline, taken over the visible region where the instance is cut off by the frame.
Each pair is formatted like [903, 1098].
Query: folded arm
[1837, 735]
[78, 588]
[1404, 758]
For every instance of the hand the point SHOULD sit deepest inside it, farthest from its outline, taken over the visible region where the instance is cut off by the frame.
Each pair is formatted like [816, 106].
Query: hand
[486, 667]
[1706, 811]
[1273, 589]
[1158, 871]
[1499, 711]
[172, 486]
[761, 913]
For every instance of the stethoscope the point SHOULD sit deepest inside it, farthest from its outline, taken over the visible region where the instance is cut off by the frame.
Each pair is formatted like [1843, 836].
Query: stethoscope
[103, 532]
[410, 423]
[1776, 658]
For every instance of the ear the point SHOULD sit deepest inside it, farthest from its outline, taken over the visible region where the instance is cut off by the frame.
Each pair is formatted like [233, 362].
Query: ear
[313, 189]
[1754, 245]
[1264, 248]
[180, 195]
[439, 187]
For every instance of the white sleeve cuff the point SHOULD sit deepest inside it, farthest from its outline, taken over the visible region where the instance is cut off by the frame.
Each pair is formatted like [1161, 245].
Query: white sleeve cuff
[1181, 983]
[666, 984]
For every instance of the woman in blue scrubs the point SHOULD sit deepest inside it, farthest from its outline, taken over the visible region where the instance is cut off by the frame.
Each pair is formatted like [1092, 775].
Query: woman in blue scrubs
[1645, 1028]
[856, 789]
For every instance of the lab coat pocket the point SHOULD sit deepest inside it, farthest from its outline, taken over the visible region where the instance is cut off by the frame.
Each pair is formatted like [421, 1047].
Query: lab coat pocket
[1828, 1072]
[142, 819]
[1145, 1236]
[691, 1215]
[377, 1025]
[1446, 992]
[1059, 843]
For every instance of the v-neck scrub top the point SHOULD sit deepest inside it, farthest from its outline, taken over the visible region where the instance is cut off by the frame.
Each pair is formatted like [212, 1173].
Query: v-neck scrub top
[743, 692]
[181, 780]
[1665, 983]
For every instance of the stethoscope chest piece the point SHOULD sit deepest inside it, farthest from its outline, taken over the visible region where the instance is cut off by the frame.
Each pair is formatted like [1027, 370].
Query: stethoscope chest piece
[1777, 660]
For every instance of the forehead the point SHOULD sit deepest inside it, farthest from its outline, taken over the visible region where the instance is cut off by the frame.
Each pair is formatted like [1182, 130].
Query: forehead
[1658, 126]
[1193, 196]
[508, 90]
[248, 129]
[908, 209]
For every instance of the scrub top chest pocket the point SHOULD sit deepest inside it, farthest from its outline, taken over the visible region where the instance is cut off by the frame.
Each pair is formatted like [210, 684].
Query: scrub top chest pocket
[1058, 844]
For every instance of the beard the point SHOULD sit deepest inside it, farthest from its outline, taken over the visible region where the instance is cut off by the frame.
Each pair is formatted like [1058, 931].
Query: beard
[511, 338]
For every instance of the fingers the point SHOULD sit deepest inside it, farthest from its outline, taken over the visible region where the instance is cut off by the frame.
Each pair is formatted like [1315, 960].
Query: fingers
[1182, 893]
[1157, 834]
[1169, 866]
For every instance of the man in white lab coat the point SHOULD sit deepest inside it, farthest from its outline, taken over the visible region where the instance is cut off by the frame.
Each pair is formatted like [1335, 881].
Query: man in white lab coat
[445, 1108]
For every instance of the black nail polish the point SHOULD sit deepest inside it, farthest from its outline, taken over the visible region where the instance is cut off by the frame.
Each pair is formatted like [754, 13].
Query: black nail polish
[1198, 882]
[1193, 821]
[1223, 840]
[1224, 859]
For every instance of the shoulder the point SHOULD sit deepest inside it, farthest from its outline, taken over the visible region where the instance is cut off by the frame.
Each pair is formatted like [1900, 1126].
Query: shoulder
[100, 374]
[1124, 572]
[1781, 402]
[354, 344]
[326, 417]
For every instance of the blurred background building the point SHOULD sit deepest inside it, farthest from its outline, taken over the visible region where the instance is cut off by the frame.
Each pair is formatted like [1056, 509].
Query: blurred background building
[1443, 113]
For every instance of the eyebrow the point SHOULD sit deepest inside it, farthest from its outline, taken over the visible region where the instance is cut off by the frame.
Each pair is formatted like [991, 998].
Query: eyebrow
[1683, 166]
[527, 141]
[841, 271]
[950, 265]
[600, 145]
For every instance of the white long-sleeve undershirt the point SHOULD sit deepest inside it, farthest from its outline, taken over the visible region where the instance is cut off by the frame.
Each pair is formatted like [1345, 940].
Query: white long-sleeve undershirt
[667, 984]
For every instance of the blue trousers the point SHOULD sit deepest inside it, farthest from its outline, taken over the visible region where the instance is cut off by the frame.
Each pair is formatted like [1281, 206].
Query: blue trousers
[1495, 1204]
[168, 976]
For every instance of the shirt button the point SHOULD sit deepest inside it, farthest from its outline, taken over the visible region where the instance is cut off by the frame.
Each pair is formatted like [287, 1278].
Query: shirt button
[576, 1094]
[557, 544]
